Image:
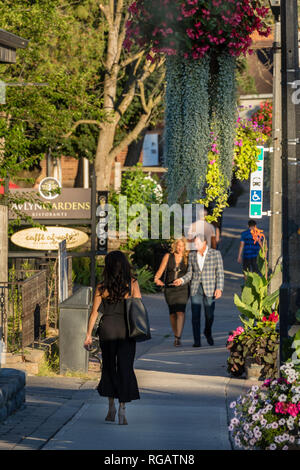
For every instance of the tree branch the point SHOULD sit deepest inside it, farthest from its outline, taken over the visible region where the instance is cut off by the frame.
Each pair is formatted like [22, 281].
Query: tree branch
[106, 12]
[83, 121]
[140, 126]
[131, 59]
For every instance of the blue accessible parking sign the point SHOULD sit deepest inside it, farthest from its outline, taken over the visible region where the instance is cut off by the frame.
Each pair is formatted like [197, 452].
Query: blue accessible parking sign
[256, 195]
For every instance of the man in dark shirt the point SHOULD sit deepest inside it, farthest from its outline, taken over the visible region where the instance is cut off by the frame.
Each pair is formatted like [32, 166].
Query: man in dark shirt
[249, 250]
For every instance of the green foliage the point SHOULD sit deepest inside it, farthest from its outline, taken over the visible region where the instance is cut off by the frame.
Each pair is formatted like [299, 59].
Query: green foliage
[50, 366]
[245, 82]
[173, 148]
[150, 253]
[248, 137]
[196, 127]
[81, 271]
[225, 113]
[216, 189]
[256, 301]
[145, 280]
[64, 52]
[81, 274]
[260, 343]
[187, 134]
[139, 189]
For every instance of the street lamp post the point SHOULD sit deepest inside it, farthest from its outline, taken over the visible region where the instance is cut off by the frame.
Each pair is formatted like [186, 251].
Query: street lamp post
[290, 288]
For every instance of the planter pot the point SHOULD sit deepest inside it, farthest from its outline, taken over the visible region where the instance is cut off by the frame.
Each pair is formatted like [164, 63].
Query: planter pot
[252, 369]
[294, 447]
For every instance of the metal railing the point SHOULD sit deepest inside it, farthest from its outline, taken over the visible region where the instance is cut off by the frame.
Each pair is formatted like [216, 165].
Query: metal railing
[23, 311]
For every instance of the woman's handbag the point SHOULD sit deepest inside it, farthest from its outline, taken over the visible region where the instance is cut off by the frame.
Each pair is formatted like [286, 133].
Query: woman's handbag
[137, 319]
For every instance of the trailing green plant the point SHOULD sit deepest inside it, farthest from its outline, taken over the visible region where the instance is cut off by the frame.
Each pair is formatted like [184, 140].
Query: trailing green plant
[225, 112]
[208, 36]
[174, 153]
[196, 129]
[216, 188]
[248, 136]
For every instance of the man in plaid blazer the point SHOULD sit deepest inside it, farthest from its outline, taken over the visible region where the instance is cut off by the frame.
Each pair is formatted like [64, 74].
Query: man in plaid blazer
[205, 271]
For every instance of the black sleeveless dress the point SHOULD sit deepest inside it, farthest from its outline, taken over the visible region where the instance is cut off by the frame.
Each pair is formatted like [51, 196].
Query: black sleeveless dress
[176, 297]
[118, 379]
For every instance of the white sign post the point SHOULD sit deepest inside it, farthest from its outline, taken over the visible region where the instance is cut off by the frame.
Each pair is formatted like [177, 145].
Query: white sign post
[62, 271]
[256, 188]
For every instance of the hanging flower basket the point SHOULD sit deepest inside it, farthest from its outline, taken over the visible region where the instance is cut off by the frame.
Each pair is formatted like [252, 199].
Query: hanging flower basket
[195, 28]
[201, 40]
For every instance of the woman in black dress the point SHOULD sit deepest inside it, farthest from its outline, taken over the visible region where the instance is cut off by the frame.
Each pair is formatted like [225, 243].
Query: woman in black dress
[118, 379]
[173, 266]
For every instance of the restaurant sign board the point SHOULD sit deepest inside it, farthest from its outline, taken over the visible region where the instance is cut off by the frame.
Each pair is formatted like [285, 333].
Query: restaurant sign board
[71, 203]
[49, 239]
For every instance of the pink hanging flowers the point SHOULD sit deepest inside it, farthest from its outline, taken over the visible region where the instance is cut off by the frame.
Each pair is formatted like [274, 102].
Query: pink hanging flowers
[195, 27]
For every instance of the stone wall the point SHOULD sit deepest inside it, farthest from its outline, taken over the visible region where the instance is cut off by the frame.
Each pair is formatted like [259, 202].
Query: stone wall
[12, 391]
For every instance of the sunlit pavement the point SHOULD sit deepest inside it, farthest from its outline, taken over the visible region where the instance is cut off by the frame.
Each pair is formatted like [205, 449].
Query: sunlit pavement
[185, 391]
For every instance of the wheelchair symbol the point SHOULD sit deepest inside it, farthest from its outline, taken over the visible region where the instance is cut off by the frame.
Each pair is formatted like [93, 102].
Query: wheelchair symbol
[255, 196]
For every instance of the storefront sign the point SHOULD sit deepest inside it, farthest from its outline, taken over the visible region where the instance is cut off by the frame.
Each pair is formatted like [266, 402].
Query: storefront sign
[49, 188]
[102, 214]
[71, 203]
[49, 239]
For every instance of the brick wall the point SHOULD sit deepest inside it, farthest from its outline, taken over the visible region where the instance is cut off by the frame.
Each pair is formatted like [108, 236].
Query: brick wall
[69, 168]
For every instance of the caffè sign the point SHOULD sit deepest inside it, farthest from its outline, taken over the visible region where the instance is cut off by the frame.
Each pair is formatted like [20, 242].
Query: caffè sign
[38, 239]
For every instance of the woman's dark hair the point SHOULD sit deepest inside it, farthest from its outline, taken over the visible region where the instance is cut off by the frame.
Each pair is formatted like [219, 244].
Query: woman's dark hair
[117, 276]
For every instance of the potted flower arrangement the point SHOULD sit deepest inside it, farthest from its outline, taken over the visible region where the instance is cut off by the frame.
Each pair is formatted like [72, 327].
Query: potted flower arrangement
[254, 350]
[268, 417]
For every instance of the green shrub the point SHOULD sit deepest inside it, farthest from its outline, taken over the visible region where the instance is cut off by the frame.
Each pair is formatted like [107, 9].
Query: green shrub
[145, 280]
[81, 271]
[150, 253]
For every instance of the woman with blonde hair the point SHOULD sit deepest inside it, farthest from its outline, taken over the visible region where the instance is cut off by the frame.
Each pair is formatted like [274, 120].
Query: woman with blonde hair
[173, 266]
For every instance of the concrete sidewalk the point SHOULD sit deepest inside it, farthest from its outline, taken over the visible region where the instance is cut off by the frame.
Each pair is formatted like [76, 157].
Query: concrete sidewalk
[185, 391]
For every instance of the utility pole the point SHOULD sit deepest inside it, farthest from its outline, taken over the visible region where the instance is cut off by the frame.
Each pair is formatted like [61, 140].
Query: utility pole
[290, 288]
[275, 233]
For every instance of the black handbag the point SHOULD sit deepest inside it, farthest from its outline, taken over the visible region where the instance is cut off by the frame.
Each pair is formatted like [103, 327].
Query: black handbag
[137, 319]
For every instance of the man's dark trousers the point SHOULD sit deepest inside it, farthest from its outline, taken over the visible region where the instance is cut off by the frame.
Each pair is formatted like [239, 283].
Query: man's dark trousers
[209, 309]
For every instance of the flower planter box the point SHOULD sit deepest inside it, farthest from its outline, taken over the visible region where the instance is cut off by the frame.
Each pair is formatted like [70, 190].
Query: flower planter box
[253, 370]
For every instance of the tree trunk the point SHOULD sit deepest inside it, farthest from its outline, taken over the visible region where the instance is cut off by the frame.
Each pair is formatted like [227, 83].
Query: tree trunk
[103, 159]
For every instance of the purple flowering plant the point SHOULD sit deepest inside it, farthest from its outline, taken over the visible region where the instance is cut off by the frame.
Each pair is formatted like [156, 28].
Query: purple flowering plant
[268, 417]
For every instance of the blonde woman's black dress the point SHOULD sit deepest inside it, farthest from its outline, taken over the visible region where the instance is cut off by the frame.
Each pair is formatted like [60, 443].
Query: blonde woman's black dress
[176, 297]
[118, 379]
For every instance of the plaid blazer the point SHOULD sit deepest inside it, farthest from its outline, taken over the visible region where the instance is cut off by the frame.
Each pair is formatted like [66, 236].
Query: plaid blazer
[212, 273]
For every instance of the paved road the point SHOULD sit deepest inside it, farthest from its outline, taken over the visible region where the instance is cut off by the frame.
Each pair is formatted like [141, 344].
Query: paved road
[184, 391]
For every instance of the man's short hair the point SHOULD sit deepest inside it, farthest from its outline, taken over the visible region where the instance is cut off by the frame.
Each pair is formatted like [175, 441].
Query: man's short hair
[202, 237]
[202, 212]
[251, 223]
